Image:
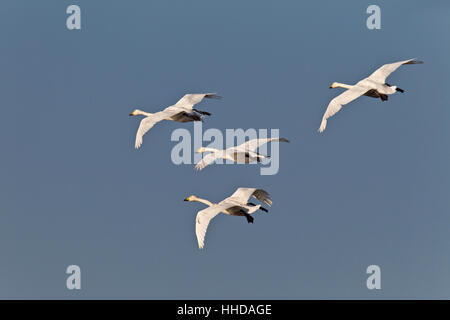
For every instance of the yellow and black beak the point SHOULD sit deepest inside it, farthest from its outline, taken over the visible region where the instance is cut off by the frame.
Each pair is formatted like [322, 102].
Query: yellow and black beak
[131, 114]
[187, 199]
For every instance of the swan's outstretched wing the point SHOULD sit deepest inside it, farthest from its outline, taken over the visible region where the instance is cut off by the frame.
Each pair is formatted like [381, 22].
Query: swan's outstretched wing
[384, 71]
[148, 122]
[243, 194]
[254, 144]
[207, 160]
[204, 217]
[191, 99]
[336, 104]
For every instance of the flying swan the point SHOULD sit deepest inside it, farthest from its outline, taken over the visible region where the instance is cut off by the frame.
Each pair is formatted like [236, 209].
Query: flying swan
[373, 86]
[243, 153]
[182, 111]
[235, 205]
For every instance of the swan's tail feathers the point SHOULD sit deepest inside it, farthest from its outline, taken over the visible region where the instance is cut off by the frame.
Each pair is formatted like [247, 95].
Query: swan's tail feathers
[323, 125]
[399, 90]
[213, 96]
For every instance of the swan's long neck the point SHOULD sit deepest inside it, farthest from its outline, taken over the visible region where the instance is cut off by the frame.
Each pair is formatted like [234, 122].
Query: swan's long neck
[343, 85]
[207, 202]
[143, 113]
[210, 150]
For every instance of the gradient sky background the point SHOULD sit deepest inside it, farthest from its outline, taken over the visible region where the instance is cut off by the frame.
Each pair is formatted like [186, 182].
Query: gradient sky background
[373, 189]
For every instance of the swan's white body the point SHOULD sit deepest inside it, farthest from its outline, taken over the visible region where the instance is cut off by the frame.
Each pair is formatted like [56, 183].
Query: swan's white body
[243, 153]
[182, 111]
[373, 86]
[235, 205]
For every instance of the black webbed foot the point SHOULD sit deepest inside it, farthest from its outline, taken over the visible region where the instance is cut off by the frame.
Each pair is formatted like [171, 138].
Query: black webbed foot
[249, 218]
[383, 97]
[261, 208]
[202, 112]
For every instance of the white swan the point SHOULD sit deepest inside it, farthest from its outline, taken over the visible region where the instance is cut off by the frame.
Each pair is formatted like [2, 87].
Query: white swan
[374, 86]
[243, 153]
[235, 205]
[182, 111]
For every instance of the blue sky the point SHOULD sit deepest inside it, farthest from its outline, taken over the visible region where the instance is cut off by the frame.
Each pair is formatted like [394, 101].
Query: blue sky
[373, 189]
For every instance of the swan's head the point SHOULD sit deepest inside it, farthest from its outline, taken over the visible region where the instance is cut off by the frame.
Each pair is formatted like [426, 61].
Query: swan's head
[191, 198]
[201, 150]
[137, 112]
[334, 85]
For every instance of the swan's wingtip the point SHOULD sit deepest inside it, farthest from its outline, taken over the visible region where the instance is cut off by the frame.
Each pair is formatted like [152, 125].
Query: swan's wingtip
[137, 144]
[414, 61]
[322, 127]
[213, 96]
